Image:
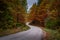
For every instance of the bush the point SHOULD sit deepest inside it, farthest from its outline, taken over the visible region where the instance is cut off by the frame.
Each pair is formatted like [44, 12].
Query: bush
[51, 24]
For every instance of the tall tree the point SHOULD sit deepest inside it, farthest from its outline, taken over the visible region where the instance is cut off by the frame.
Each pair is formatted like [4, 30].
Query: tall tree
[39, 2]
[12, 11]
[32, 12]
[24, 4]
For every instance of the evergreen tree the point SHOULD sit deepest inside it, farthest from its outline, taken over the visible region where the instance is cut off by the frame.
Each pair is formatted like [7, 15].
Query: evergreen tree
[39, 2]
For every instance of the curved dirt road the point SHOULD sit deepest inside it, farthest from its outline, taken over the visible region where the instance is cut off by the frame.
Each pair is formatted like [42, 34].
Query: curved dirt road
[35, 33]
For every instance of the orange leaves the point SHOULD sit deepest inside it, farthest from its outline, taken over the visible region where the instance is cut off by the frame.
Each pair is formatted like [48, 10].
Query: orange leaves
[32, 12]
[46, 9]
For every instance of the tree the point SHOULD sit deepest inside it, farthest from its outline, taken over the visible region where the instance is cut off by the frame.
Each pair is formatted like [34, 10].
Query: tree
[32, 12]
[12, 12]
[53, 15]
[39, 2]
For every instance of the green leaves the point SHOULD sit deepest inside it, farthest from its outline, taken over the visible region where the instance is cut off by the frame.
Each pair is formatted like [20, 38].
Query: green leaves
[51, 23]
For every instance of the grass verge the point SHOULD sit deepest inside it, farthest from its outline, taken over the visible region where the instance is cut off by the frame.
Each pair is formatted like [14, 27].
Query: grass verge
[53, 34]
[13, 30]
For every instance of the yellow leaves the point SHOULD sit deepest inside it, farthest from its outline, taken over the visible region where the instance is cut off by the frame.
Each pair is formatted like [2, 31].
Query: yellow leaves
[53, 12]
[47, 6]
[53, 15]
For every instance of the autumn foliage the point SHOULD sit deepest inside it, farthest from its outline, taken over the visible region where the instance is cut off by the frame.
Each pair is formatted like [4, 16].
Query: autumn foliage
[45, 11]
[11, 13]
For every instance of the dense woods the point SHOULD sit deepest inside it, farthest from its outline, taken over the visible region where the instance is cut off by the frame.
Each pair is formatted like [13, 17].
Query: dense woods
[11, 12]
[46, 13]
[12, 15]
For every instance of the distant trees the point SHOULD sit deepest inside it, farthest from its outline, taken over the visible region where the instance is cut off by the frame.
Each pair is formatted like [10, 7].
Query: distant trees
[46, 13]
[32, 12]
[40, 14]
[39, 2]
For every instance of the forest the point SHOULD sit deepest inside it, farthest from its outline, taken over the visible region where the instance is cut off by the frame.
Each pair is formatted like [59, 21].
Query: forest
[44, 14]
[12, 13]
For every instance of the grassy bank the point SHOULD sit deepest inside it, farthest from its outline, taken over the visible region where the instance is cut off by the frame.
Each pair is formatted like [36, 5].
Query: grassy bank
[13, 30]
[53, 34]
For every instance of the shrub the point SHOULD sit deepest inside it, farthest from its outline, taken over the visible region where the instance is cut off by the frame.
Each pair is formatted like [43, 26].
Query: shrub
[51, 24]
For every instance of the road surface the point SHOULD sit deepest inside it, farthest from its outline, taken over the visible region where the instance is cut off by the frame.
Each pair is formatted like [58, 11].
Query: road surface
[34, 33]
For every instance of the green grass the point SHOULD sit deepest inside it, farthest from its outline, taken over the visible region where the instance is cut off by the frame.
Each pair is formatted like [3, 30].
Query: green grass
[53, 34]
[13, 30]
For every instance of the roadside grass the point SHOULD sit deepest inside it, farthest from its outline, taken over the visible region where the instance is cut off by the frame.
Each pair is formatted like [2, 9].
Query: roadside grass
[53, 34]
[13, 30]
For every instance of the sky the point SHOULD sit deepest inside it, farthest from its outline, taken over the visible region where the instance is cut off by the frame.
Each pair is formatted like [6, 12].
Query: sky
[30, 3]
